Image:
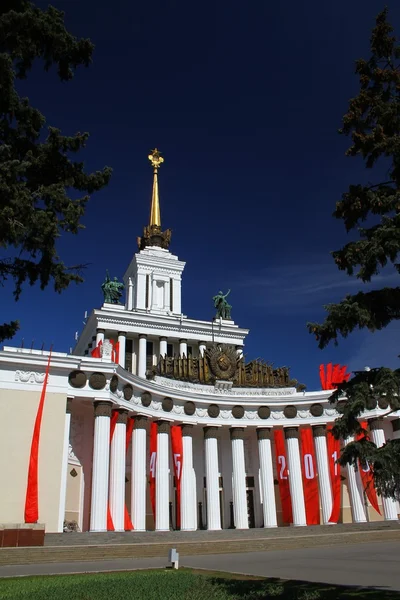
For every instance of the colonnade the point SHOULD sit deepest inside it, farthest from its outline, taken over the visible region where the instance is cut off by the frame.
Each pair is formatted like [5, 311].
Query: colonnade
[108, 476]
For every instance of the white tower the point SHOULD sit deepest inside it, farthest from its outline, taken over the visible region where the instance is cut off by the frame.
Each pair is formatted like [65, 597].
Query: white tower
[153, 278]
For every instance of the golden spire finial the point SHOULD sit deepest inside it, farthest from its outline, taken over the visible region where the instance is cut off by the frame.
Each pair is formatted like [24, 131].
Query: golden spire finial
[155, 216]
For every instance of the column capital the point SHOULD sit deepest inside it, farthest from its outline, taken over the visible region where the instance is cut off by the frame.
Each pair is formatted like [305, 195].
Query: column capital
[98, 330]
[376, 423]
[396, 424]
[69, 406]
[122, 416]
[140, 422]
[236, 433]
[163, 426]
[121, 333]
[142, 336]
[102, 408]
[183, 341]
[202, 343]
[210, 432]
[263, 433]
[187, 429]
[163, 338]
[319, 430]
[291, 432]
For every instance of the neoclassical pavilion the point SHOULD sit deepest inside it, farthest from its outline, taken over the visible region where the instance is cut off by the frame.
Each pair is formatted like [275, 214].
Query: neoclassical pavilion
[155, 421]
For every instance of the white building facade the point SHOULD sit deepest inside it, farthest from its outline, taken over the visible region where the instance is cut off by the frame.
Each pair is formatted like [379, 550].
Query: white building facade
[96, 464]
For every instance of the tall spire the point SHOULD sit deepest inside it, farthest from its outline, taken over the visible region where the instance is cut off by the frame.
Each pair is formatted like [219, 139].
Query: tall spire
[156, 160]
[152, 234]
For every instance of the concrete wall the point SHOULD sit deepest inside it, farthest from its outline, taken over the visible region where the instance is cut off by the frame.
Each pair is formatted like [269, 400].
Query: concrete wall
[18, 413]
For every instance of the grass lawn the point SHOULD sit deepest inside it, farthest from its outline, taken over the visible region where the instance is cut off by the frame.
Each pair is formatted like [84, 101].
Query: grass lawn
[185, 584]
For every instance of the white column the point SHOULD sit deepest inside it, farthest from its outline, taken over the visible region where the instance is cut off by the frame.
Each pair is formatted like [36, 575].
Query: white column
[176, 295]
[183, 347]
[378, 437]
[396, 429]
[163, 346]
[295, 478]
[138, 474]
[142, 355]
[129, 303]
[212, 478]
[117, 472]
[122, 344]
[162, 477]
[188, 483]
[355, 492]
[202, 348]
[99, 336]
[267, 476]
[101, 456]
[239, 351]
[324, 480]
[64, 467]
[239, 479]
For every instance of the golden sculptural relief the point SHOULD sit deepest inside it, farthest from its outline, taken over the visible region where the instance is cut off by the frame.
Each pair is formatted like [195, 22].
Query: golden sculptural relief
[155, 158]
[223, 363]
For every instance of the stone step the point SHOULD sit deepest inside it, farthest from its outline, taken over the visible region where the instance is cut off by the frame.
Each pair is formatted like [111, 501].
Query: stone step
[88, 538]
[54, 554]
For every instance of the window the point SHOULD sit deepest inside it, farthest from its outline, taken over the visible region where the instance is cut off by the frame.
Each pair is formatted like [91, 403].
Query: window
[170, 349]
[149, 349]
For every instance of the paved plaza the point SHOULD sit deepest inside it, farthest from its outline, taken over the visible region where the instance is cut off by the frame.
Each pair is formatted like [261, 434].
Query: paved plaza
[371, 565]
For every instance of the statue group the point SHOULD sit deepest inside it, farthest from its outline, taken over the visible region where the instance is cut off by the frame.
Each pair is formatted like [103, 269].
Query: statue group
[112, 290]
[222, 306]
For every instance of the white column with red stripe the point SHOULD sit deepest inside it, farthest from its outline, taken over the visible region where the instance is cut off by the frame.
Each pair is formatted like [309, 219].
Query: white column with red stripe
[100, 472]
[267, 476]
[378, 437]
[295, 477]
[239, 479]
[355, 491]
[138, 474]
[324, 480]
[122, 348]
[162, 476]
[212, 478]
[188, 482]
[117, 472]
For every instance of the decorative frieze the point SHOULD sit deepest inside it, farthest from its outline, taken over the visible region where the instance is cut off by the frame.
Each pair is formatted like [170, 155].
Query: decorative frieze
[146, 399]
[290, 412]
[213, 411]
[97, 381]
[264, 412]
[77, 379]
[128, 391]
[167, 404]
[189, 408]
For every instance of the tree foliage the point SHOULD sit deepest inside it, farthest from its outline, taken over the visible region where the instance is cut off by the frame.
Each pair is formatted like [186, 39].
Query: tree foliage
[39, 176]
[372, 211]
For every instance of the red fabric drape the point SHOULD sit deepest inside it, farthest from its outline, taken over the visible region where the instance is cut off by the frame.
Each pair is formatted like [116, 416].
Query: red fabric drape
[309, 471]
[282, 472]
[367, 477]
[153, 462]
[31, 514]
[332, 375]
[334, 470]
[113, 422]
[128, 526]
[95, 353]
[177, 453]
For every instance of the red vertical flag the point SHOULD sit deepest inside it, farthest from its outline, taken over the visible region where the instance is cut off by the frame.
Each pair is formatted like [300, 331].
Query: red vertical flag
[309, 471]
[334, 470]
[153, 462]
[177, 452]
[32, 494]
[282, 472]
[367, 477]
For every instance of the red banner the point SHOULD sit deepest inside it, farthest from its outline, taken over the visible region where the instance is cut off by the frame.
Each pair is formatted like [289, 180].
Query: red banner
[334, 470]
[333, 374]
[177, 453]
[367, 476]
[95, 353]
[129, 428]
[282, 472]
[309, 471]
[153, 462]
[32, 495]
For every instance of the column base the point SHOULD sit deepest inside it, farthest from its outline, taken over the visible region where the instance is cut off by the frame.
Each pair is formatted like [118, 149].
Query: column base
[270, 526]
[191, 529]
[299, 524]
[214, 529]
[138, 530]
[159, 530]
[391, 519]
[99, 531]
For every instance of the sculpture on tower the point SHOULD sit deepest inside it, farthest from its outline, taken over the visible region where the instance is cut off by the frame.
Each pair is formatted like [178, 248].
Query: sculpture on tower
[152, 233]
[112, 290]
[222, 306]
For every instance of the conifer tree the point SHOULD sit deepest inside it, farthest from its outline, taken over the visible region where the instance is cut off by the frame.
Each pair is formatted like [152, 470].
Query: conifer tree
[372, 213]
[38, 173]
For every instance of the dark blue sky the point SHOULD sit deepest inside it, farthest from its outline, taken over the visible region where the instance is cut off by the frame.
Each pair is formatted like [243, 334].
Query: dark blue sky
[244, 100]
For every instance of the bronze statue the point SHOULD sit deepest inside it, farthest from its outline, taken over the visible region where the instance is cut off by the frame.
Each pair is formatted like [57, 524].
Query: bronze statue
[112, 290]
[222, 306]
